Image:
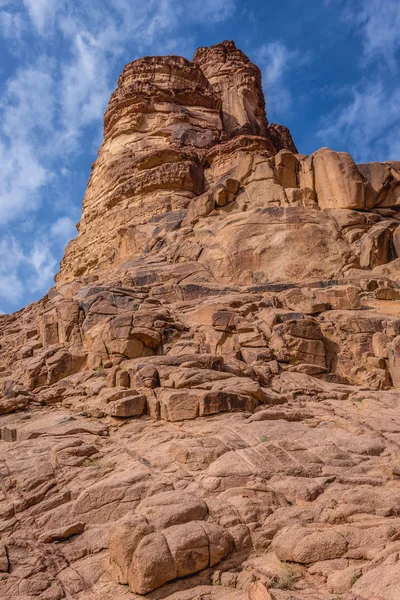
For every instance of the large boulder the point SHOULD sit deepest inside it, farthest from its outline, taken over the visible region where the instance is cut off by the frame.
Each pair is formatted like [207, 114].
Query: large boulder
[338, 183]
[147, 560]
[306, 546]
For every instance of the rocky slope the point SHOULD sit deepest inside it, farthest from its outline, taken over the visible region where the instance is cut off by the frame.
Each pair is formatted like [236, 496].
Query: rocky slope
[205, 404]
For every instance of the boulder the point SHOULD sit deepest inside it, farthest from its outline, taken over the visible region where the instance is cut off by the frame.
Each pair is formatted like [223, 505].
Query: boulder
[393, 349]
[338, 183]
[238, 83]
[156, 558]
[375, 247]
[172, 508]
[307, 546]
[258, 591]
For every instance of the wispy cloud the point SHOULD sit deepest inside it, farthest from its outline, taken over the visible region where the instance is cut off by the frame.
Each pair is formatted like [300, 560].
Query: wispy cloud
[69, 94]
[29, 263]
[369, 123]
[377, 22]
[217, 10]
[276, 61]
[26, 125]
[12, 26]
[379, 25]
[33, 266]
[41, 12]
[43, 264]
[55, 100]
[84, 86]
[273, 59]
[11, 287]
[62, 230]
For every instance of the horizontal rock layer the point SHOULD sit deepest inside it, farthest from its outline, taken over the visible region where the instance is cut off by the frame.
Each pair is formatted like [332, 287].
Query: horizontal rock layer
[165, 116]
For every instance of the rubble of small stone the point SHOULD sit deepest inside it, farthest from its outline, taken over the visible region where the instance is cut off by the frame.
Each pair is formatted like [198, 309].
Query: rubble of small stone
[206, 404]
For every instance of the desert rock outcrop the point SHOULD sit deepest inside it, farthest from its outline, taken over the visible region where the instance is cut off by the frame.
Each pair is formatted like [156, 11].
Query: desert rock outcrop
[206, 405]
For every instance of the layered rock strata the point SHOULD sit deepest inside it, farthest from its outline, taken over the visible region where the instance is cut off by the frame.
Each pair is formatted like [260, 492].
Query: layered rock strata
[167, 122]
[206, 404]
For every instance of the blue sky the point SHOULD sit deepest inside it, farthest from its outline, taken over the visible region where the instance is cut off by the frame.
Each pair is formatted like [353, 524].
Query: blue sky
[330, 70]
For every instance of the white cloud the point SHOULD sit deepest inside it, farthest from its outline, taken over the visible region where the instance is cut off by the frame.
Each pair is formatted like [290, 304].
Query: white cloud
[11, 253]
[369, 123]
[24, 123]
[66, 98]
[63, 230]
[12, 25]
[69, 51]
[26, 268]
[215, 10]
[42, 13]
[21, 178]
[378, 24]
[11, 287]
[276, 60]
[84, 87]
[380, 21]
[27, 104]
[42, 260]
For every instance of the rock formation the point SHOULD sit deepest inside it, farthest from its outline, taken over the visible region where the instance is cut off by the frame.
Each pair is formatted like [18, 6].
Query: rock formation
[206, 404]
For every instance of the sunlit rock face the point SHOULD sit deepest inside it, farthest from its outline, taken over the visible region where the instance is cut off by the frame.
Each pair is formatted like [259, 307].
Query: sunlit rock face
[238, 83]
[161, 121]
[206, 405]
[161, 113]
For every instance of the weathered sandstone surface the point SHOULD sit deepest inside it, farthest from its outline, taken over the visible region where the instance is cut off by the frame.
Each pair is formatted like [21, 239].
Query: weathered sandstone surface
[207, 404]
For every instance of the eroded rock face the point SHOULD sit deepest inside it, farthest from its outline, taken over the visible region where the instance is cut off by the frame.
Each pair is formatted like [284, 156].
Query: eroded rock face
[206, 404]
[163, 118]
[167, 539]
[162, 111]
[237, 81]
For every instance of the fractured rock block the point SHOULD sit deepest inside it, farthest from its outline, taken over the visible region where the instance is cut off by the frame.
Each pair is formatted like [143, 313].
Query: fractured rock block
[177, 551]
[172, 508]
[300, 300]
[165, 538]
[286, 166]
[152, 564]
[375, 247]
[122, 402]
[4, 563]
[189, 546]
[124, 538]
[299, 341]
[344, 297]
[384, 183]
[13, 404]
[64, 533]
[394, 361]
[180, 405]
[49, 331]
[132, 406]
[338, 183]
[258, 591]
[306, 546]
[238, 82]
